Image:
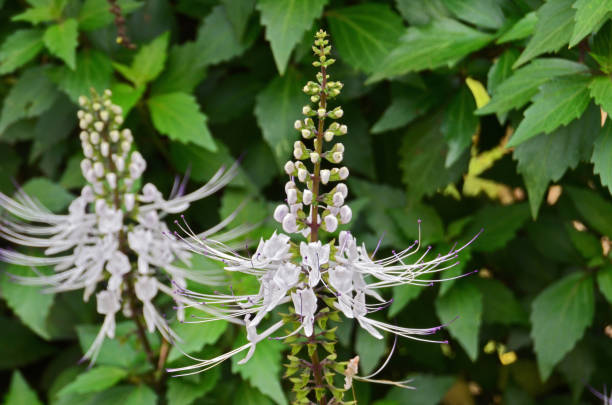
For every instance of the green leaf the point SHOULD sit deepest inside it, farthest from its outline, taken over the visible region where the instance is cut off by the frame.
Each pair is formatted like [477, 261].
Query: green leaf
[464, 301]
[29, 303]
[61, 40]
[589, 16]
[72, 177]
[601, 48]
[51, 195]
[423, 154]
[558, 103]
[19, 392]
[484, 13]
[286, 22]
[443, 42]
[32, 95]
[460, 125]
[238, 13]
[402, 295]
[519, 88]
[559, 317]
[126, 96]
[276, 108]
[42, 11]
[602, 151]
[370, 351]
[593, 208]
[185, 69]
[123, 351]
[185, 390]
[417, 12]
[53, 126]
[553, 29]
[365, 34]
[94, 380]
[546, 158]
[501, 69]
[195, 337]
[263, 369]
[604, 282]
[585, 242]
[22, 347]
[125, 395]
[430, 389]
[96, 13]
[178, 115]
[94, 70]
[406, 105]
[246, 395]
[521, 29]
[500, 305]
[499, 224]
[148, 62]
[601, 91]
[19, 48]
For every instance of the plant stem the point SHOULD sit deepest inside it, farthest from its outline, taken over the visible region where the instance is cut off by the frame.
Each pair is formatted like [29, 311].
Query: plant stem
[317, 372]
[161, 362]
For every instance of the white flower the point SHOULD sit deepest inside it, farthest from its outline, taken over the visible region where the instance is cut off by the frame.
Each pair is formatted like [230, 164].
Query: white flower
[314, 255]
[305, 304]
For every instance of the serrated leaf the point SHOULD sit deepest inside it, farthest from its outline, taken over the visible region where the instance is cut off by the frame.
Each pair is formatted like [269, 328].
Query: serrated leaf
[459, 125]
[601, 48]
[604, 282]
[484, 13]
[281, 100]
[521, 29]
[238, 13]
[553, 29]
[246, 395]
[417, 12]
[94, 71]
[499, 224]
[365, 34]
[602, 156]
[286, 22]
[29, 303]
[148, 62]
[559, 317]
[499, 303]
[601, 91]
[500, 70]
[463, 300]
[178, 115]
[122, 352]
[217, 41]
[185, 390]
[442, 42]
[42, 11]
[546, 158]
[519, 88]
[32, 95]
[558, 103]
[61, 40]
[96, 14]
[19, 392]
[19, 48]
[589, 15]
[185, 69]
[263, 369]
[406, 105]
[593, 208]
[94, 380]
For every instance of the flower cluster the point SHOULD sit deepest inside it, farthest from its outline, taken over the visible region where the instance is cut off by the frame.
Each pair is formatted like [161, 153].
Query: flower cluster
[318, 280]
[114, 235]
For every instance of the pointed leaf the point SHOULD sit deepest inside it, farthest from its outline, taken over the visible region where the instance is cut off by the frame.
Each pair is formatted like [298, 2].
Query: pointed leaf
[602, 156]
[148, 62]
[559, 317]
[460, 125]
[406, 105]
[94, 380]
[185, 390]
[94, 70]
[521, 29]
[365, 34]
[593, 208]
[96, 14]
[61, 40]
[604, 282]
[601, 91]
[19, 48]
[589, 15]
[286, 22]
[19, 393]
[484, 13]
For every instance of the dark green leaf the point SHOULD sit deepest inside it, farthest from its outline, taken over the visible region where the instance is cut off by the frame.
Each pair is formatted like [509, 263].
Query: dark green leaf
[96, 13]
[178, 115]
[19, 48]
[602, 152]
[94, 71]
[604, 282]
[184, 71]
[61, 40]
[238, 13]
[365, 34]
[601, 48]
[460, 125]
[406, 105]
[499, 224]
[521, 29]
[559, 317]
[601, 91]
[500, 305]
[94, 380]
[430, 389]
[250, 396]
[558, 103]
[19, 393]
[589, 16]
[484, 13]
[285, 24]
[370, 351]
[51, 195]
[594, 209]
[195, 337]
[21, 346]
[120, 352]
[417, 12]
[185, 390]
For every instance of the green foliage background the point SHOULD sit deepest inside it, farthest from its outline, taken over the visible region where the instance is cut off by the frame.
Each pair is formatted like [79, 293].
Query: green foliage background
[212, 80]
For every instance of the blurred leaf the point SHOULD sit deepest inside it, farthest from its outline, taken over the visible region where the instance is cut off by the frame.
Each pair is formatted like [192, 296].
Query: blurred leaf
[148, 62]
[558, 103]
[460, 125]
[53, 126]
[417, 12]
[61, 40]
[521, 29]
[72, 177]
[178, 115]
[21, 347]
[604, 282]
[484, 13]
[577, 367]
[430, 389]
[499, 224]
[462, 306]
[238, 13]
[276, 109]
[547, 157]
[589, 15]
[19, 48]
[365, 34]
[263, 369]
[443, 42]
[122, 351]
[593, 208]
[499, 72]
[126, 96]
[29, 303]
[195, 337]
[423, 154]
[19, 393]
[185, 390]
[32, 95]
[96, 13]
[402, 296]
[9, 164]
[94, 71]
[185, 69]
[519, 88]
[94, 380]
[51, 195]
[601, 91]
[406, 105]
[126, 395]
[285, 24]
[552, 31]
[601, 48]
[499, 304]
[250, 396]
[559, 317]
[370, 351]
[585, 242]
[41, 11]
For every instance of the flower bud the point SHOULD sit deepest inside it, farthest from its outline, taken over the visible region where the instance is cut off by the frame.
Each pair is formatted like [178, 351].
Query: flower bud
[291, 196]
[338, 113]
[119, 119]
[314, 157]
[84, 136]
[325, 176]
[114, 135]
[337, 157]
[289, 223]
[306, 133]
[343, 129]
[329, 135]
[342, 189]
[297, 153]
[302, 174]
[117, 110]
[343, 173]
[83, 124]
[337, 199]
[280, 212]
[104, 149]
[80, 114]
[99, 126]
[103, 116]
[129, 200]
[127, 135]
[289, 167]
[345, 214]
[297, 124]
[87, 150]
[331, 223]
[111, 178]
[98, 169]
[307, 197]
[321, 112]
[88, 118]
[289, 185]
[96, 106]
[306, 110]
[339, 147]
[82, 100]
